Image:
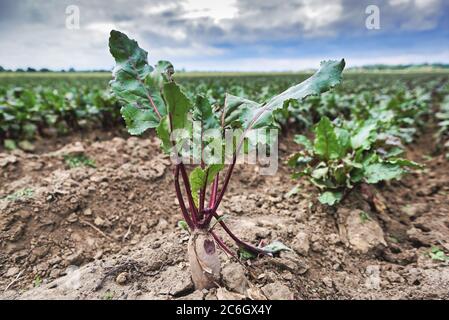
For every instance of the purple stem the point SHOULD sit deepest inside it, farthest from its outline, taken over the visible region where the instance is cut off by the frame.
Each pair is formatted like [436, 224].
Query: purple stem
[222, 244]
[203, 195]
[239, 242]
[192, 206]
[182, 205]
[213, 193]
[225, 184]
[215, 201]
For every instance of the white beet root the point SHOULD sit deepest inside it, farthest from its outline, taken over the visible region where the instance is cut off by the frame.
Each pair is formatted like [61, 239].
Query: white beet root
[203, 259]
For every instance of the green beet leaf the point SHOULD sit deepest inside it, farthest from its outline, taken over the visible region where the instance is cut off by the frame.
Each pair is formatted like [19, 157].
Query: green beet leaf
[134, 86]
[247, 114]
[377, 172]
[204, 113]
[326, 143]
[330, 197]
[276, 246]
[178, 106]
[302, 140]
[364, 136]
[199, 178]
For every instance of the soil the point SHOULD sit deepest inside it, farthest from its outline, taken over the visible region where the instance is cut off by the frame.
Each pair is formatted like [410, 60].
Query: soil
[111, 232]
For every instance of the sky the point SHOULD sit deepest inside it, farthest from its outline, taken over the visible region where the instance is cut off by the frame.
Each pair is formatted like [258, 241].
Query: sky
[224, 35]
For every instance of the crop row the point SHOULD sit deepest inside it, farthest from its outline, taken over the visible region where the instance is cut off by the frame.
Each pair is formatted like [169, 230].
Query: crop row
[49, 105]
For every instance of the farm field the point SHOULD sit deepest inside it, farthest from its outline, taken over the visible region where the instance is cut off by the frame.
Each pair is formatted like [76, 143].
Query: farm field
[85, 204]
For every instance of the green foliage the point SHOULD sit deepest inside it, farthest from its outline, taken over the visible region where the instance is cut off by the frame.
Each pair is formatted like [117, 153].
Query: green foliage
[343, 156]
[330, 197]
[443, 124]
[37, 281]
[437, 254]
[326, 144]
[273, 248]
[108, 295]
[10, 144]
[136, 85]
[204, 113]
[178, 106]
[200, 178]
[364, 217]
[153, 100]
[59, 103]
[398, 105]
[246, 114]
[377, 172]
[276, 246]
[183, 225]
[21, 194]
[47, 106]
[75, 161]
[245, 254]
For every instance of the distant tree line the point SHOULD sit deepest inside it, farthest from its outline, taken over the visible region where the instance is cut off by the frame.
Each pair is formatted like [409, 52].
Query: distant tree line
[403, 66]
[2, 69]
[367, 67]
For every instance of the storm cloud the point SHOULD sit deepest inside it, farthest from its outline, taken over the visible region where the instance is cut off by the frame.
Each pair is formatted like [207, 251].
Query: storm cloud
[225, 34]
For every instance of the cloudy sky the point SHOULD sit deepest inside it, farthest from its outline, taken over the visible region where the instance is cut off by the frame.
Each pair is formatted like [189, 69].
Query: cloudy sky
[224, 35]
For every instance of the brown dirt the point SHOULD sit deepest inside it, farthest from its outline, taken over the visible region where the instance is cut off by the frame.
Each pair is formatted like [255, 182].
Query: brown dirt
[111, 231]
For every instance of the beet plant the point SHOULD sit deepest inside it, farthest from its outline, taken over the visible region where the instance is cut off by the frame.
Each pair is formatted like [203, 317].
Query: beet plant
[152, 99]
[443, 124]
[343, 156]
